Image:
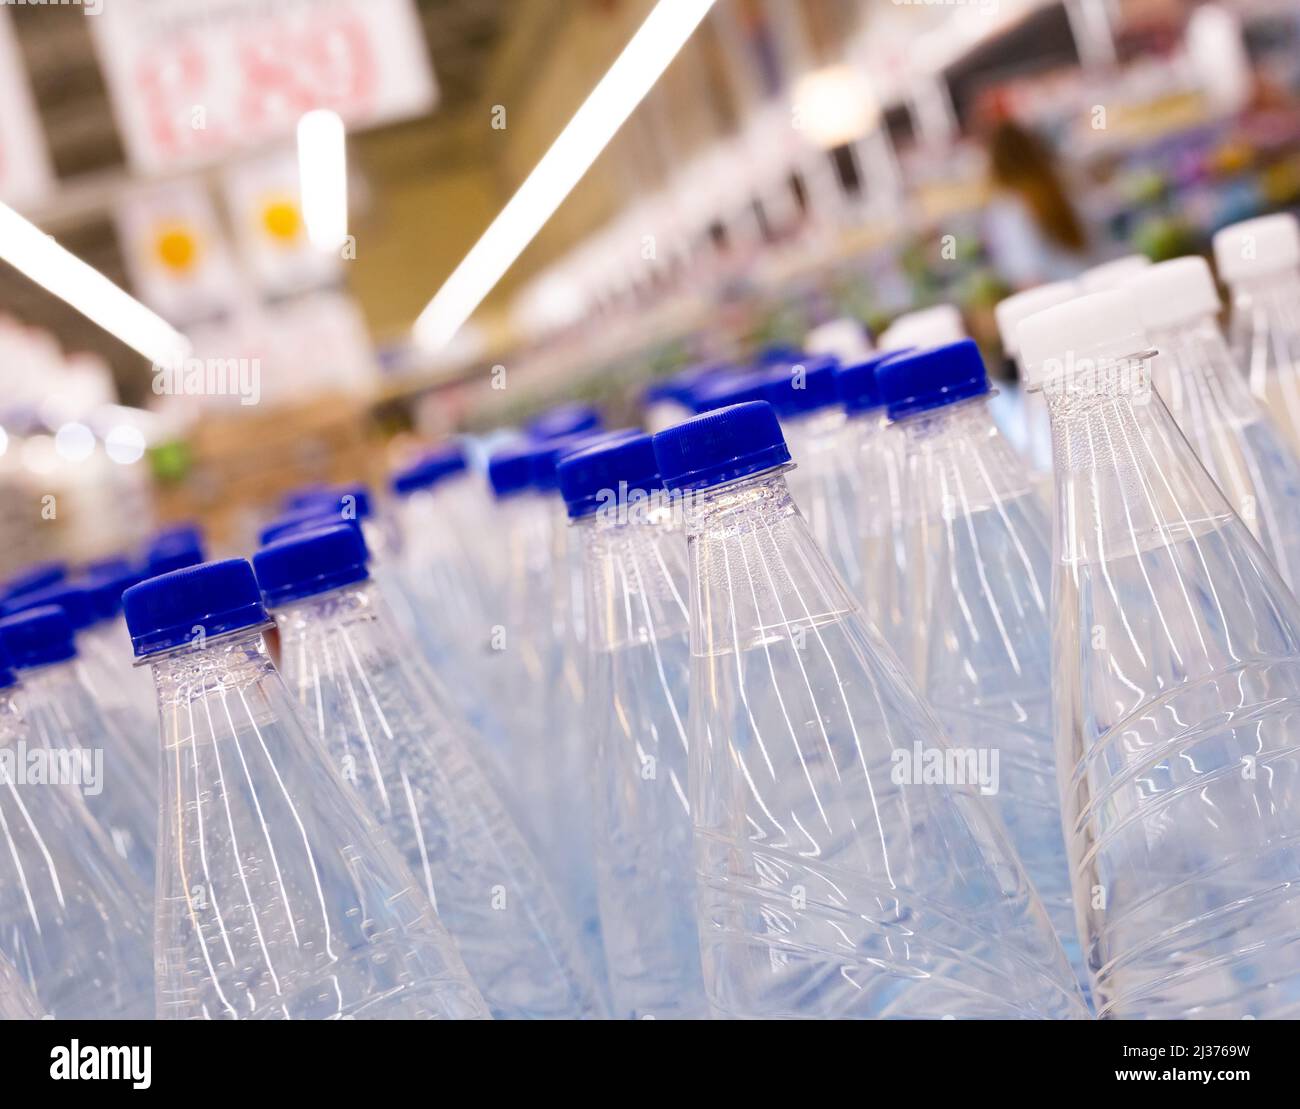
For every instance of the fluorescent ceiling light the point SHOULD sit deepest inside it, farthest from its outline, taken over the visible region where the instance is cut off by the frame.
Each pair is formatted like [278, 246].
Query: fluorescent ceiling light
[32, 252]
[323, 178]
[632, 75]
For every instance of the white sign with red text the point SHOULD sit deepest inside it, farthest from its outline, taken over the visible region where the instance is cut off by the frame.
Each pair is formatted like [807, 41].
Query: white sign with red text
[194, 81]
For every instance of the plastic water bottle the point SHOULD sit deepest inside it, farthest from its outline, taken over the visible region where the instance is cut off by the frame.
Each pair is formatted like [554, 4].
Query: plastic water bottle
[1008, 312]
[1205, 393]
[870, 469]
[277, 895]
[115, 683]
[546, 762]
[1176, 681]
[61, 713]
[808, 406]
[839, 877]
[638, 685]
[370, 702]
[1259, 261]
[73, 918]
[980, 555]
[939, 323]
[17, 1002]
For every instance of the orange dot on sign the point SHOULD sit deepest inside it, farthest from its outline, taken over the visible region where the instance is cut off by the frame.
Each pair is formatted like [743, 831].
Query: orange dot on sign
[177, 248]
[282, 220]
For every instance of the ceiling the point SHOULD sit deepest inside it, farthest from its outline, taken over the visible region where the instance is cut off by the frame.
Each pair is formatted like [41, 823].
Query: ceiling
[88, 158]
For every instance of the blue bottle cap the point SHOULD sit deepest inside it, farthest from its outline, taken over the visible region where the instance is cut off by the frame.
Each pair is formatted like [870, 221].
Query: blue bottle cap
[802, 387]
[778, 354]
[75, 600]
[931, 378]
[212, 598]
[105, 582]
[427, 471]
[607, 472]
[309, 562]
[40, 576]
[546, 461]
[303, 495]
[343, 502]
[564, 419]
[679, 386]
[173, 555]
[38, 637]
[510, 470]
[176, 535]
[723, 392]
[721, 446]
[856, 384]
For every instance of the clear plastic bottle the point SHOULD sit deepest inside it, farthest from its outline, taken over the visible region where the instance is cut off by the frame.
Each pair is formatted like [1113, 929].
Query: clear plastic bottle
[533, 648]
[440, 532]
[74, 920]
[61, 712]
[278, 897]
[1205, 393]
[808, 406]
[1176, 682]
[837, 484]
[869, 467]
[1008, 312]
[377, 717]
[1259, 261]
[638, 685]
[980, 548]
[125, 690]
[838, 877]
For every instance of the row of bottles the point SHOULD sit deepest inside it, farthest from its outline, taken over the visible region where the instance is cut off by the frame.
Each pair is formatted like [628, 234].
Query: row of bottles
[810, 704]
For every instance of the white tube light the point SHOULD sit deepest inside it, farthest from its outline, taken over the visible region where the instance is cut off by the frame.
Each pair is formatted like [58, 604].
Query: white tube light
[632, 75]
[35, 254]
[323, 178]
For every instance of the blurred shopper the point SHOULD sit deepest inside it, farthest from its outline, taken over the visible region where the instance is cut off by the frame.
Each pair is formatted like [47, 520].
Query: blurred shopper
[1031, 228]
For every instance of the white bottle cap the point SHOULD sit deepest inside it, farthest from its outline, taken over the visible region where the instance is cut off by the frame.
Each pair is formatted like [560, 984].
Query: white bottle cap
[926, 327]
[1087, 331]
[1174, 292]
[1019, 306]
[1257, 246]
[845, 338]
[1112, 274]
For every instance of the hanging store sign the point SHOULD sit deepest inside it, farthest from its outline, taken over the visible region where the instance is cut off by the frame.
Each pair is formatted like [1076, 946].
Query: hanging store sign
[25, 174]
[194, 81]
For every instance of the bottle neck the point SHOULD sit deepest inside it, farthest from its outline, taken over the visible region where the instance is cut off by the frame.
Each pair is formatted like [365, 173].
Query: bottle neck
[1196, 377]
[634, 574]
[348, 605]
[219, 664]
[1126, 478]
[755, 569]
[1274, 295]
[956, 459]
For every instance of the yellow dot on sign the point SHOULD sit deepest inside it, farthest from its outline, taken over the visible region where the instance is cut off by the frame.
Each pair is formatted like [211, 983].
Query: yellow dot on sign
[177, 248]
[282, 220]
